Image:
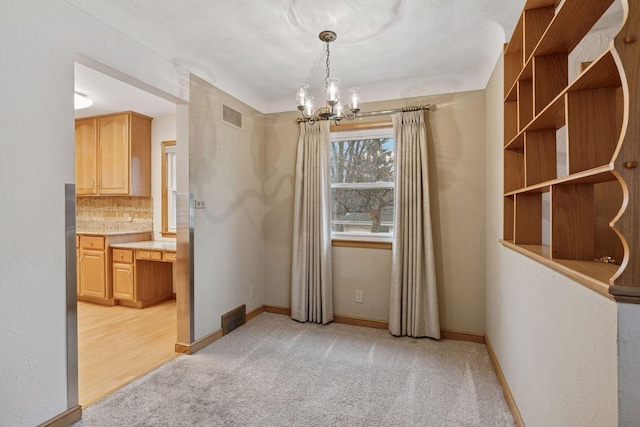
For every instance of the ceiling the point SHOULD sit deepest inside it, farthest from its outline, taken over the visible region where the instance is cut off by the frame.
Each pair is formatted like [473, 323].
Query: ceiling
[258, 51]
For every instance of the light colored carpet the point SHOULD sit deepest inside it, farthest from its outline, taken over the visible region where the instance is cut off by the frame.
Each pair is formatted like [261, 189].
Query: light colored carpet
[274, 371]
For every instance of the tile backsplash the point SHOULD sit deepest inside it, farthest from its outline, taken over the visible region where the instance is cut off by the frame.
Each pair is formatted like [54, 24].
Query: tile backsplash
[113, 214]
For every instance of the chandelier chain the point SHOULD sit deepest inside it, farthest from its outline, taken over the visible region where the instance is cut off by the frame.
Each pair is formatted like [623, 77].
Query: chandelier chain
[326, 81]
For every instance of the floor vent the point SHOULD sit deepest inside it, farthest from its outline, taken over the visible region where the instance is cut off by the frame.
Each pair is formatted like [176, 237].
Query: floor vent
[234, 319]
[231, 117]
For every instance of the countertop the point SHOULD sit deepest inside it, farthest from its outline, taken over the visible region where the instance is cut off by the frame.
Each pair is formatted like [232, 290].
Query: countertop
[110, 233]
[151, 245]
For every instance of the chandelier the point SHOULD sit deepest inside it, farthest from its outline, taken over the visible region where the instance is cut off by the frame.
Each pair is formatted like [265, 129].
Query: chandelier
[333, 106]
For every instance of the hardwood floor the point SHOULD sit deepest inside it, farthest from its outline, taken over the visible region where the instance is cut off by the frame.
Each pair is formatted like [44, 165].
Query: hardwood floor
[119, 344]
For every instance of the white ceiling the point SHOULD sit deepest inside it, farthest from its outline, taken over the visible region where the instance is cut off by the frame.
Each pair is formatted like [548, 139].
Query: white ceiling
[258, 50]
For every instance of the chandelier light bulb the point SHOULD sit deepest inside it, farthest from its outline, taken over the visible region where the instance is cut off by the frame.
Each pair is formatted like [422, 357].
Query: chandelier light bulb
[333, 90]
[355, 99]
[301, 96]
[308, 106]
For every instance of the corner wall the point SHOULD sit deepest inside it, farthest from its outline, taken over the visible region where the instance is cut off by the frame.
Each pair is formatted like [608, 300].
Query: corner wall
[226, 167]
[456, 132]
[555, 340]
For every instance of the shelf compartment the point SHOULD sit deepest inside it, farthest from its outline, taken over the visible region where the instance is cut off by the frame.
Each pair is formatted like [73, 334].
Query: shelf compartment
[580, 218]
[592, 176]
[509, 217]
[525, 103]
[593, 127]
[514, 57]
[528, 219]
[550, 78]
[510, 121]
[540, 156]
[572, 21]
[536, 21]
[608, 198]
[513, 169]
[572, 222]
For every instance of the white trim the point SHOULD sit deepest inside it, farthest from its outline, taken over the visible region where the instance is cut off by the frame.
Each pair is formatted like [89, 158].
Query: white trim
[362, 185]
[362, 237]
[356, 134]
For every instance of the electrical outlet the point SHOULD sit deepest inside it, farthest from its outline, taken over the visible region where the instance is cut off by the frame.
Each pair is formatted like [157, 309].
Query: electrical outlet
[253, 291]
[200, 204]
[359, 297]
[127, 217]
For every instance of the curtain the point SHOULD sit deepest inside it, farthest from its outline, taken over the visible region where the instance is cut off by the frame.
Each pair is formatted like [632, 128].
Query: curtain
[311, 281]
[414, 298]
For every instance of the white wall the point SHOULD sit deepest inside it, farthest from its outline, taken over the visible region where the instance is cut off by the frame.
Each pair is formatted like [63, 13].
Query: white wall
[457, 167]
[554, 339]
[163, 128]
[40, 41]
[226, 172]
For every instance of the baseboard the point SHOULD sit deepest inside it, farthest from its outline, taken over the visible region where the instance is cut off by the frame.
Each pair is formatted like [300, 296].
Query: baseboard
[253, 313]
[277, 310]
[448, 334]
[505, 387]
[359, 321]
[65, 419]
[199, 344]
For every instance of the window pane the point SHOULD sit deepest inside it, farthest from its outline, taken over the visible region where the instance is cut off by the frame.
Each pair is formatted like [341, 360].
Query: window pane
[362, 185]
[362, 210]
[362, 160]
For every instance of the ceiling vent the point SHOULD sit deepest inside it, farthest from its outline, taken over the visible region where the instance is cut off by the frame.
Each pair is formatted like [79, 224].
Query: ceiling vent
[231, 117]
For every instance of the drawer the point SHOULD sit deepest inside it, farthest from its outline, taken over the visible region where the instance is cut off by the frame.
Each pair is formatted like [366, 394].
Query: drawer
[91, 242]
[170, 256]
[123, 255]
[150, 255]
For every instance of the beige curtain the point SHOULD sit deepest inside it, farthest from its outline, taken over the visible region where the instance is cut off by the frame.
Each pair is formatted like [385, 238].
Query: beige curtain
[311, 281]
[414, 298]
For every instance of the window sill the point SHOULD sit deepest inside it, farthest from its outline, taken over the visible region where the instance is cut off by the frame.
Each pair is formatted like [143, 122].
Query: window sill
[361, 244]
[168, 233]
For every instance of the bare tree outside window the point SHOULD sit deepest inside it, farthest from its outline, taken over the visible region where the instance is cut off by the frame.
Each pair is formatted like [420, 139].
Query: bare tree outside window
[362, 184]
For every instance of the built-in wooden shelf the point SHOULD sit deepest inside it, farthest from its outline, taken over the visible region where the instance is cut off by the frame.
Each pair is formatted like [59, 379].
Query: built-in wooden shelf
[570, 202]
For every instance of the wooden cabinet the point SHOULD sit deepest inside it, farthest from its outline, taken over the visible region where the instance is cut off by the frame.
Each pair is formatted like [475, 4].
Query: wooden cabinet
[589, 197]
[142, 277]
[113, 155]
[98, 279]
[93, 274]
[123, 275]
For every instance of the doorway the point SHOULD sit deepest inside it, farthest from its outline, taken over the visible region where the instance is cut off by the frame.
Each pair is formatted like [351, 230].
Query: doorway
[117, 344]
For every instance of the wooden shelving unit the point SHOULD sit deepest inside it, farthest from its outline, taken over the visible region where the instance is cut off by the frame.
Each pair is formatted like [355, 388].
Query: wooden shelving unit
[593, 208]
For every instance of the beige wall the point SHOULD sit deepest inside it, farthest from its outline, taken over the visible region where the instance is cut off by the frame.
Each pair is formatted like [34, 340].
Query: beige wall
[225, 171]
[554, 339]
[456, 132]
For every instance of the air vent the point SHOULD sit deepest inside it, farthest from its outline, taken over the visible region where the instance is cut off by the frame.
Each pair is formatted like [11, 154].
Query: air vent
[234, 319]
[231, 117]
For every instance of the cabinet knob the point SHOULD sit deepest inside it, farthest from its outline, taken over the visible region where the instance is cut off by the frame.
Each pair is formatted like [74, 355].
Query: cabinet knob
[90, 243]
[120, 256]
[631, 165]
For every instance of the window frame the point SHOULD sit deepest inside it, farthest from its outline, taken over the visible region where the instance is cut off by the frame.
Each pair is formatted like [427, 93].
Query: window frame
[168, 147]
[383, 129]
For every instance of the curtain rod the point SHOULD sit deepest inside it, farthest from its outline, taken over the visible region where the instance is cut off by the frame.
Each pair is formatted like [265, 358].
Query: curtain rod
[427, 107]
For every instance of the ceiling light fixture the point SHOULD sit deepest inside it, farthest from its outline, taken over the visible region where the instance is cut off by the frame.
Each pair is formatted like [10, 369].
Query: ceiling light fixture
[333, 108]
[81, 101]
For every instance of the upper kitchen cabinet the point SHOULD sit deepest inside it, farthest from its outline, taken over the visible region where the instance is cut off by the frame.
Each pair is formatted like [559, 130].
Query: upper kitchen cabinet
[113, 155]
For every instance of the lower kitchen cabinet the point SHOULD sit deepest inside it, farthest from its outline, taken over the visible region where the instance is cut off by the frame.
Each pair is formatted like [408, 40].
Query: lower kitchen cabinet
[98, 279]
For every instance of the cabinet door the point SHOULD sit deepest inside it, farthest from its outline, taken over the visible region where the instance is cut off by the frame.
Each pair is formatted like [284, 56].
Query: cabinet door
[86, 156]
[123, 281]
[93, 280]
[114, 155]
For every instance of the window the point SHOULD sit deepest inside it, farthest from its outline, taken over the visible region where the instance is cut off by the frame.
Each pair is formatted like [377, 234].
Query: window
[362, 184]
[169, 188]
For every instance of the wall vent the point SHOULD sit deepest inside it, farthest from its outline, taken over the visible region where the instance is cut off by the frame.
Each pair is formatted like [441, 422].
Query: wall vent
[234, 319]
[231, 117]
